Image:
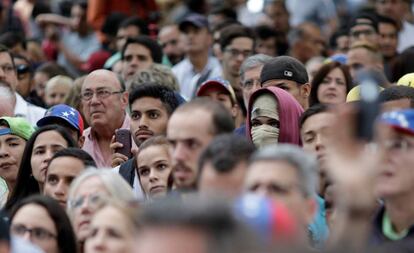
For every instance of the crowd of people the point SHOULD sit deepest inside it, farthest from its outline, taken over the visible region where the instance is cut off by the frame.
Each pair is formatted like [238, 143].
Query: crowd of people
[204, 126]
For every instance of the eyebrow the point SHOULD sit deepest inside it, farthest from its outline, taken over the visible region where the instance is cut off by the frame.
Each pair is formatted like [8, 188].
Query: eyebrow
[12, 138]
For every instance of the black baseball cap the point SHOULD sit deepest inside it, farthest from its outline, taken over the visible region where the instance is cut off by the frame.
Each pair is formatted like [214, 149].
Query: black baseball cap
[284, 67]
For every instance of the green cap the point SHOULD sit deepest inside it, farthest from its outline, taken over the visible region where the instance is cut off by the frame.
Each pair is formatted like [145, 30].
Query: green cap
[16, 126]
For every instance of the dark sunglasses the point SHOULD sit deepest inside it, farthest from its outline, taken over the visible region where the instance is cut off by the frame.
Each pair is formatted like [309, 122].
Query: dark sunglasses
[22, 69]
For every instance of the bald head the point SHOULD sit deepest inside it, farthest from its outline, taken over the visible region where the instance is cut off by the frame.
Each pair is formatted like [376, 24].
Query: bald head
[364, 56]
[104, 100]
[110, 76]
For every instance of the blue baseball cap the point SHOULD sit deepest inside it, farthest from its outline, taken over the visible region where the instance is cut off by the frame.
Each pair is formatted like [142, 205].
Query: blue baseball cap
[63, 112]
[401, 120]
[196, 20]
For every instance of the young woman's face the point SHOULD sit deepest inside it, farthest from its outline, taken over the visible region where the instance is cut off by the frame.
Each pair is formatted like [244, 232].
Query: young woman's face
[110, 232]
[154, 169]
[11, 152]
[44, 147]
[332, 90]
[33, 223]
[85, 202]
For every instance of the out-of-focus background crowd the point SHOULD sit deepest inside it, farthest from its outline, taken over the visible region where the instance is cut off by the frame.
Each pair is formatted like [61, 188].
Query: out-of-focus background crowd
[206, 126]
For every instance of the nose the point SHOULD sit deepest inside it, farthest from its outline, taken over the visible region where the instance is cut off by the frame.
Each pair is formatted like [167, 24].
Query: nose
[143, 122]
[94, 99]
[99, 242]
[48, 155]
[179, 152]
[168, 48]
[319, 143]
[134, 62]
[3, 152]
[153, 176]
[27, 236]
[332, 84]
[241, 56]
[60, 189]
[262, 191]
[2, 74]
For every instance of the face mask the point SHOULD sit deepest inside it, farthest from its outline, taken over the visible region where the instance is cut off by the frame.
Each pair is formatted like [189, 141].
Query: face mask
[265, 105]
[264, 135]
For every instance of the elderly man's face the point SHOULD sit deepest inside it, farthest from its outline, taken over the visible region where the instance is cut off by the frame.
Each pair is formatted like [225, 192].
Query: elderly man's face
[395, 174]
[7, 71]
[280, 181]
[107, 104]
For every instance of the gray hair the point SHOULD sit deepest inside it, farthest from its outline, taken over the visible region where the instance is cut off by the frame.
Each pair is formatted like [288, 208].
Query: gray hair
[6, 92]
[252, 62]
[304, 163]
[117, 187]
[225, 233]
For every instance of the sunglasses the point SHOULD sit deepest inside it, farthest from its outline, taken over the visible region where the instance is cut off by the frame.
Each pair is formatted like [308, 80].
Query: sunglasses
[22, 69]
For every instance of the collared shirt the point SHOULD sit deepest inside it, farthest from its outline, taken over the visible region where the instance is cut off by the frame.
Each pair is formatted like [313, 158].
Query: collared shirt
[378, 237]
[188, 78]
[28, 111]
[405, 36]
[136, 187]
[91, 145]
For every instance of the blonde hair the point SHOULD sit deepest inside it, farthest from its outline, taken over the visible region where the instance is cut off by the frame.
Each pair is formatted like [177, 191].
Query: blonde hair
[130, 210]
[59, 80]
[117, 187]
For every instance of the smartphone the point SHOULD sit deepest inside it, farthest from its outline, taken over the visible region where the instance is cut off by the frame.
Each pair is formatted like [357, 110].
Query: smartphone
[368, 105]
[124, 136]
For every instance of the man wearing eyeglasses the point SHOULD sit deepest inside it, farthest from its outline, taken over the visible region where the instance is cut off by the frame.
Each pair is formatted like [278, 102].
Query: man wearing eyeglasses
[8, 78]
[364, 27]
[394, 184]
[104, 101]
[236, 44]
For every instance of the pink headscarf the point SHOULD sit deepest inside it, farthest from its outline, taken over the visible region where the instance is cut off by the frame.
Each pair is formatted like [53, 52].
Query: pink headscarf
[289, 113]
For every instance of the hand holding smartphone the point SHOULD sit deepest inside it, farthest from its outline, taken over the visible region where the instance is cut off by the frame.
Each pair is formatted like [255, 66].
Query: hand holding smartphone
[123, 136]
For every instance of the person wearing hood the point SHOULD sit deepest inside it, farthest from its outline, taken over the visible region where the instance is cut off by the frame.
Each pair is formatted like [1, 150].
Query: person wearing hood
[273, 117]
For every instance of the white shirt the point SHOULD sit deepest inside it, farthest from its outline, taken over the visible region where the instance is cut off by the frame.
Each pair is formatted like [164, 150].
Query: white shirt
[27, 110]
[187, 76]
[137, 189]
[405, 36]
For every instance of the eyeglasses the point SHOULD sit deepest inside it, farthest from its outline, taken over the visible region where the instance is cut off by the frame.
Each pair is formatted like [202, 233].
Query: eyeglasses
[93, 200]
[100, 94]
[250, 83]
[357, 34]
[235, 52]
[399, 145]
[22, 69]
[36, 233]
[7, 68]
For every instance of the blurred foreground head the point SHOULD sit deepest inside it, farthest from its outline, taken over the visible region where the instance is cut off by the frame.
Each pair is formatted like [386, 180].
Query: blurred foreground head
[192, 226]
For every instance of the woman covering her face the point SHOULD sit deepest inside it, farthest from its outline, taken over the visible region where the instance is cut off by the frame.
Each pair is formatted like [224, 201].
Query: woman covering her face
[273, 117]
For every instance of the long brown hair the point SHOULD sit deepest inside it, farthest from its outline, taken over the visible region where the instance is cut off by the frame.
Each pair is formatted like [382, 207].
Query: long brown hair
[322, 73]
